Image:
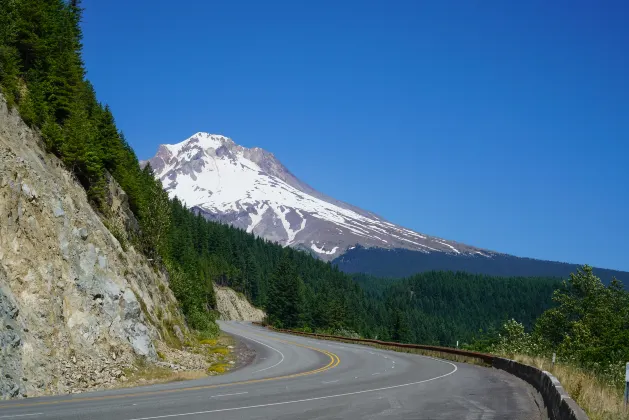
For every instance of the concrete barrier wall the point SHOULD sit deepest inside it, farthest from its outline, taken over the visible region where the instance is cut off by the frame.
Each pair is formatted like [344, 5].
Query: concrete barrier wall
[558, 403]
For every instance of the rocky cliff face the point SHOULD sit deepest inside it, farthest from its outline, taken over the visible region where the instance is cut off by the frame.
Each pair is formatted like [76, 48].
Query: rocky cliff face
[76, 305]
[235, 307]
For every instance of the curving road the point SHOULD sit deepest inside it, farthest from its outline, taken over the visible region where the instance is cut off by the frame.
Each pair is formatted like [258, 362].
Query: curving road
[299, 378]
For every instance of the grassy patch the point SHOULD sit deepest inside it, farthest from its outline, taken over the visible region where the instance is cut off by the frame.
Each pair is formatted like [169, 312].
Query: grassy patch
[168, 334]
[117, 232]
[217, 368]
[146, 373]
[218, 350]
[223, 351]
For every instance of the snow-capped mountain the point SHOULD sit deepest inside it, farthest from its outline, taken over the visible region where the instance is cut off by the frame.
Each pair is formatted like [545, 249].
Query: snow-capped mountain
[251, 189]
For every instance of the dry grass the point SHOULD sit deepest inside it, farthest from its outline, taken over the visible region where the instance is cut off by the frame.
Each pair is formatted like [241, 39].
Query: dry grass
[216, 350]
[147, 374]
[599, 400]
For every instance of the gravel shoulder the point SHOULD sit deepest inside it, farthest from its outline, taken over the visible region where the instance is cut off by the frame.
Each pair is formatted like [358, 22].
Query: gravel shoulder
[244, 354]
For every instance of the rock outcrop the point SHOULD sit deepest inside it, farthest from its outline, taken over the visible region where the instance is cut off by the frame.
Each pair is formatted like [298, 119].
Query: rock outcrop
[77, 307]
[232, 306]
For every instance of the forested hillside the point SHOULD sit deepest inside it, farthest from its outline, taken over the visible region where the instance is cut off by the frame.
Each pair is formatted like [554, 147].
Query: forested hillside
[403, 263]
[446, 307]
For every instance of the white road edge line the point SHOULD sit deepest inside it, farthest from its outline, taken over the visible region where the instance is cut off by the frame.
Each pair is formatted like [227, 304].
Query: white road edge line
[227, 395]
[12, 416]
[306, 399]
[265, 345]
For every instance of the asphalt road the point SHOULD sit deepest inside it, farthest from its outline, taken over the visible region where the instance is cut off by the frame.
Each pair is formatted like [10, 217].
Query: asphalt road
[299, 378]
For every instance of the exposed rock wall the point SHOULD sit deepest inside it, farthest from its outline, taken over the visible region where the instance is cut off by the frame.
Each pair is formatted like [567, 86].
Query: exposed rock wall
[232, 306]
[76, 307]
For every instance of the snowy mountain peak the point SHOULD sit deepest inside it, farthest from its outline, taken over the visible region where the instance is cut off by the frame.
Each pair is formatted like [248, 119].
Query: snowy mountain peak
[198, 142]
[249, 188]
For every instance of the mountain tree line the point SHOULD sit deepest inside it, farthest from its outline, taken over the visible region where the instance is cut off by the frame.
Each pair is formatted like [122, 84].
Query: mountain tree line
[400, 263]
[442, 307]
[42, 74]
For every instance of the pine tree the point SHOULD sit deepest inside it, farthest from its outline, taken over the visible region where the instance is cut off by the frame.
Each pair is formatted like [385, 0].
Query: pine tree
[155, 214]
[9, 55]
[109, 138]
[286, 295]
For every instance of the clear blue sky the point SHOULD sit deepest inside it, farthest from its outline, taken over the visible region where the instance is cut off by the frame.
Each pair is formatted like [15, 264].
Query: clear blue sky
[501, 124]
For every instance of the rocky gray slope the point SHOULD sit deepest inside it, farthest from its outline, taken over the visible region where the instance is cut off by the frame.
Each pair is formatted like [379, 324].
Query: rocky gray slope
[76, 305]
[234, 306]
[252, 190]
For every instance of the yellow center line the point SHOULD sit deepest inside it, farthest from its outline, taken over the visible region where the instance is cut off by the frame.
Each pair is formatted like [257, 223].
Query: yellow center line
[334, 362]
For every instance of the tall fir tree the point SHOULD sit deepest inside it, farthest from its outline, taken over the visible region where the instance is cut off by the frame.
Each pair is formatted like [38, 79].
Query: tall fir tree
[286, 295]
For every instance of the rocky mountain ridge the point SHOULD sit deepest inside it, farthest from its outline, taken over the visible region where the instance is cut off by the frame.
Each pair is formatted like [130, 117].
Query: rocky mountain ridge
[250, 189]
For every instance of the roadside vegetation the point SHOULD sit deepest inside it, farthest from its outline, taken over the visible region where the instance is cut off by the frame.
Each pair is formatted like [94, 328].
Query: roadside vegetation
[596, 395]
[588, 330]
[202, 357]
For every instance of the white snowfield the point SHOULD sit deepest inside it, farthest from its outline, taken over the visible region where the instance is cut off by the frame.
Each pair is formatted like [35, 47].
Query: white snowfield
[250, 189]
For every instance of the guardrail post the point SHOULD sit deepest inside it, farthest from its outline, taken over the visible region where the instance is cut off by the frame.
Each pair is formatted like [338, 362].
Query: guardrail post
[627, 386]
[553, 362]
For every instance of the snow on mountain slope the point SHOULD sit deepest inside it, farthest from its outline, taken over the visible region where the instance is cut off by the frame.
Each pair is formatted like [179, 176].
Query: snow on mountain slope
[251, 189]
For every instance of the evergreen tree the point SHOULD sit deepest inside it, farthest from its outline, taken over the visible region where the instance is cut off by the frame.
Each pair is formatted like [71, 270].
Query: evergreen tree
[401, 328]
[286, 295]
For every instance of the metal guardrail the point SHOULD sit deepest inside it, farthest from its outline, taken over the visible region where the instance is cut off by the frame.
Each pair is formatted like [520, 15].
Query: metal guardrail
[487, 358]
